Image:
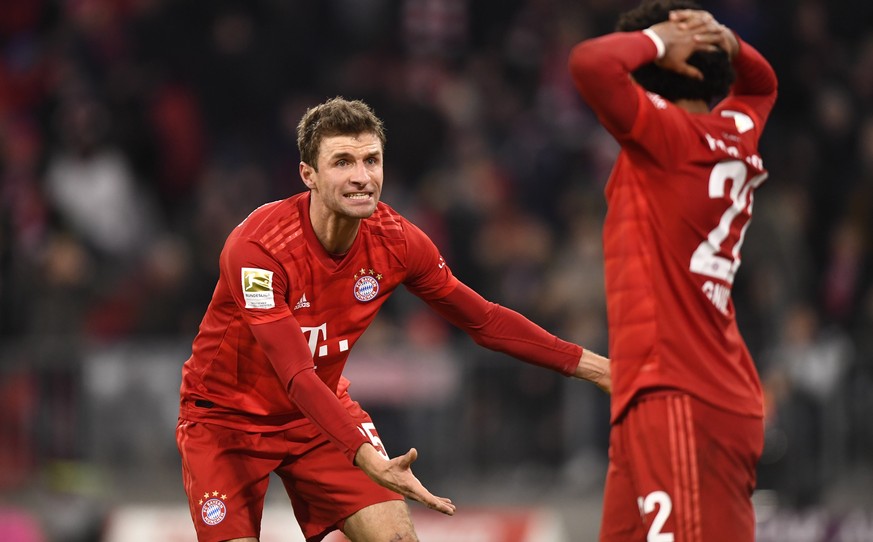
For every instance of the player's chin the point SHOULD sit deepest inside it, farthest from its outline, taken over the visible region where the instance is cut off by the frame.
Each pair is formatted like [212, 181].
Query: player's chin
[361, 209]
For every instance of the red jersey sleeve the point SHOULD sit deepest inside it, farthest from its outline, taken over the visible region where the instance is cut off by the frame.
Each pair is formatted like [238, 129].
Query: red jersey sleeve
[498, 328]
[755, 87]
[428, 276]
[257, 281]
[601, 69]
[489, 324]
[288, 352]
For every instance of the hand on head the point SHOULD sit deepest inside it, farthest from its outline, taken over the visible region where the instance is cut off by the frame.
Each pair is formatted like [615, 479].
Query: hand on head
[708, 31]
[687, 32]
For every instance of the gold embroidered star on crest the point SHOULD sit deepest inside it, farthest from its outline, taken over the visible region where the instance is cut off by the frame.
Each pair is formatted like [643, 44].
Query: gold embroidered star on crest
[215, 494]
[364, 272]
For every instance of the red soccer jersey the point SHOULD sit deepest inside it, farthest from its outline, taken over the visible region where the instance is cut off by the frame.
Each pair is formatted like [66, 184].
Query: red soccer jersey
[679, 202]
[273, 267]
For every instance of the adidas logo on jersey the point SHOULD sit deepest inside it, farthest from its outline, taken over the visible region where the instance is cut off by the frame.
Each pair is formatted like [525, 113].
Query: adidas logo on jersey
[302, 304]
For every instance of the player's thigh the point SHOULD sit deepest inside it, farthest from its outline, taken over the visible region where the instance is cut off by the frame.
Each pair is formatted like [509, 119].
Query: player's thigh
[325, 488]
[729, 446]
[226, 474]
[382, 521]
[620, 517]
[692, 467]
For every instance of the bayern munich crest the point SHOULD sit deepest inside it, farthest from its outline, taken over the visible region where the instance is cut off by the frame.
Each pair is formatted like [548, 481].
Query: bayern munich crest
[367, 285]
[213, 511]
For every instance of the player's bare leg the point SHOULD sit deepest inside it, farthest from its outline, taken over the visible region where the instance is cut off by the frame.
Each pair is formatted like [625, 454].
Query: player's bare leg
[381, 522]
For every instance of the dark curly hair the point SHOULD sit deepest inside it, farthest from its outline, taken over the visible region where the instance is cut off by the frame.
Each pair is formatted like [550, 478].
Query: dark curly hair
[718, 73]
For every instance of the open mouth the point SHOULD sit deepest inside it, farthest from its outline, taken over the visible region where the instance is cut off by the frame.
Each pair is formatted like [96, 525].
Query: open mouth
[359, 195]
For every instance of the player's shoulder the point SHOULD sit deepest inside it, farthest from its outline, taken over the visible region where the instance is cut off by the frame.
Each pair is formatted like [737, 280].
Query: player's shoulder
[273, 222]
[387, 222]
[658, 117]
[743, 120]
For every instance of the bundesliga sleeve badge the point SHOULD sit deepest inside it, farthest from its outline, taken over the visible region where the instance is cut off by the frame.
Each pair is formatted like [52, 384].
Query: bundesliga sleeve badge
[257, 287]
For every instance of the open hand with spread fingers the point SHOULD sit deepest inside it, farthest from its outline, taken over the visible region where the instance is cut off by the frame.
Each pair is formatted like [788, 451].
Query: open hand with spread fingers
[396, 474]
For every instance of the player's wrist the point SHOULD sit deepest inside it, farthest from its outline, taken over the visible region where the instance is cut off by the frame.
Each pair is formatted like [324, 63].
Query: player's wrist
[366, 454]
[660, 46]
[595, 368]
[733, 44]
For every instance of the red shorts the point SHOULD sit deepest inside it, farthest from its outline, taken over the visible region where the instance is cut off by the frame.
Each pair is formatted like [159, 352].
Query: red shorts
[680, 467]
[226, 473]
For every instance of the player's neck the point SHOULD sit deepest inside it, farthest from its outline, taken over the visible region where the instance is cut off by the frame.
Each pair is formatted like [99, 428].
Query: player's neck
[336, 233]
[692, 106]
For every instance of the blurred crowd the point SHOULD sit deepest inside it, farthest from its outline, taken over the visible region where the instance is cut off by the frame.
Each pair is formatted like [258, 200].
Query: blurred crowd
[135, 134]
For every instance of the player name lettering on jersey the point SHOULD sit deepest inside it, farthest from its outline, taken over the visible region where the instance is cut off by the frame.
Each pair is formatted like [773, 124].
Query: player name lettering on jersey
[719, 294]
[715, 143]
[657, 101]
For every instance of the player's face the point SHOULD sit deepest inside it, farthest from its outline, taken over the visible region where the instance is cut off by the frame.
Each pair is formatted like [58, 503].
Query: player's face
[348, 181]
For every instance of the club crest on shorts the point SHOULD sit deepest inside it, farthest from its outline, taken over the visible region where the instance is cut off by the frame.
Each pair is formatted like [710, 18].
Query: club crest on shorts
[366, 284]
[213, 510]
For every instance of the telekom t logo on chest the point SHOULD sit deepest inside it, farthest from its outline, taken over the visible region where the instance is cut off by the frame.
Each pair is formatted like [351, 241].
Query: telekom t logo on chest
[317, 334]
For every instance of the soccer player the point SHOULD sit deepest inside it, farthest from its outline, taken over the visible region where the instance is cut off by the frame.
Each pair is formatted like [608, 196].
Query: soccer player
[300, 280]
[686, 411]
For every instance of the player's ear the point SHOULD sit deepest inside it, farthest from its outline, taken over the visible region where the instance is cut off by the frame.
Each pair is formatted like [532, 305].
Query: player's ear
[307, 173]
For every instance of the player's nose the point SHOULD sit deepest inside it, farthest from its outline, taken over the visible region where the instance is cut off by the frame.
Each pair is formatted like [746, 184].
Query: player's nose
[360, 174]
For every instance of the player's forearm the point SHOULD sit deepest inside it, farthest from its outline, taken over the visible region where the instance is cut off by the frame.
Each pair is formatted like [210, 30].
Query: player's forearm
[288, 352]
[321, 406]
[504, 330]
[606, 61]
[601, 69]
[754, 75]
[285, 346]
[511, 333]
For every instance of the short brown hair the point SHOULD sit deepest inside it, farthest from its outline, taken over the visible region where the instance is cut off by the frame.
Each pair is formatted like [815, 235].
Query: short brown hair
[334, 117]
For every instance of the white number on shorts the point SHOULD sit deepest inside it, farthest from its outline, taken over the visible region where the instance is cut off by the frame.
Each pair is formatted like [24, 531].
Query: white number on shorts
[665, 506]
[369, 431]
[705, 260]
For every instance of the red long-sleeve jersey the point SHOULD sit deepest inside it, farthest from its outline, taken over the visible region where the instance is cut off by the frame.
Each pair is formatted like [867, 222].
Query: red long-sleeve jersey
[285, 315]
[679, 203]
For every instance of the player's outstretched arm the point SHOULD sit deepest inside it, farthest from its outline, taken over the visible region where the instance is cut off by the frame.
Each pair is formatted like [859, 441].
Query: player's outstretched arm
[396, 474]
[501, 329]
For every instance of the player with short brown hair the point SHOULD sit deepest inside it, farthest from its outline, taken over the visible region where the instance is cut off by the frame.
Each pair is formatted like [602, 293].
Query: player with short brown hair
[300, 281]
